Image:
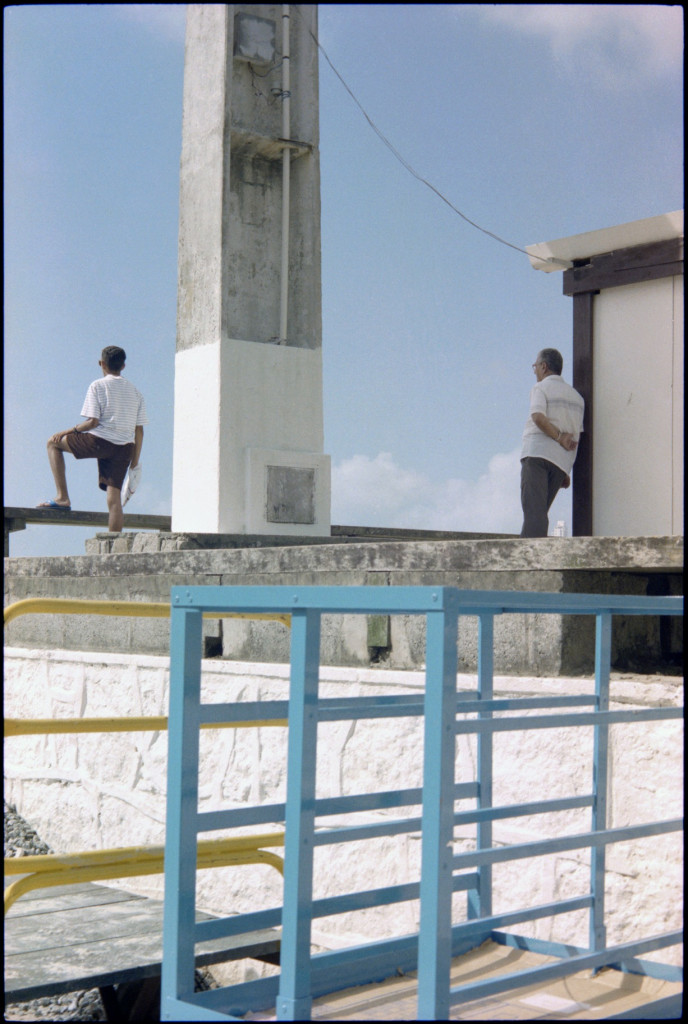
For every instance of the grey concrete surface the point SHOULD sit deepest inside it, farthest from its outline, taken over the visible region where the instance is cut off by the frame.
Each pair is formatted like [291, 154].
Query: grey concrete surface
[530, 644]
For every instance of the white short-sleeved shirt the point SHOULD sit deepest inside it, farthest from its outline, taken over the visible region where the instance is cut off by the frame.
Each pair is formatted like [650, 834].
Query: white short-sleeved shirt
[564, 407]
[119, 407]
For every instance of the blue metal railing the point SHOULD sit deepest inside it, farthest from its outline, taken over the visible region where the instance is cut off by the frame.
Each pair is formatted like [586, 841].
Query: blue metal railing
[303, 975]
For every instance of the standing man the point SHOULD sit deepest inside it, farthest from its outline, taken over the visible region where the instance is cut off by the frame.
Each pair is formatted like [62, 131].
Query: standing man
[550, 440]
[112, 434]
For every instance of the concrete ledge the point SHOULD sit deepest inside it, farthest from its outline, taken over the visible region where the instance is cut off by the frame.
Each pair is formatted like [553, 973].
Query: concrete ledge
[17, 519]
[278, 555]
[532, 645]
[109, 543]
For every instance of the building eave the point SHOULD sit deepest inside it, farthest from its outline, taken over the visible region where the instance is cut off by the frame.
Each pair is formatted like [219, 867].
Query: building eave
[561, 253]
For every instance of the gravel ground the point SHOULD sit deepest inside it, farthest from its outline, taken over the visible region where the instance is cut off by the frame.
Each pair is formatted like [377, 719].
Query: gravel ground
[20, 841]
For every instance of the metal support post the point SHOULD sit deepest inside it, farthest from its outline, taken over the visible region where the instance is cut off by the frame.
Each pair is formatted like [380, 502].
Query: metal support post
[294, 999]
[603, 646]
[179, 913]
[480, 900]
[434, 940]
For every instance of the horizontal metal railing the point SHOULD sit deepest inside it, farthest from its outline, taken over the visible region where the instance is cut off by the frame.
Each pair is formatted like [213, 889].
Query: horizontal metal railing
[137, 609]
[47, 870]
[444, 712]
[144, 723]
[131, 609]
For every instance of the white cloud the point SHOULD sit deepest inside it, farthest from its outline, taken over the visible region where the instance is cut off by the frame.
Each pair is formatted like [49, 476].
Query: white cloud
[166, 20]
[619, 44]
[378, 492]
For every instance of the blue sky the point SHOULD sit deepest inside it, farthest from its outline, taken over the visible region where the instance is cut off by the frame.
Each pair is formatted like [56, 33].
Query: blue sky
[536, 121]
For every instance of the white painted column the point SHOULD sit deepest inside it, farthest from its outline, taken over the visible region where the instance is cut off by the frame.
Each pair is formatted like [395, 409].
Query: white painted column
[248, 422]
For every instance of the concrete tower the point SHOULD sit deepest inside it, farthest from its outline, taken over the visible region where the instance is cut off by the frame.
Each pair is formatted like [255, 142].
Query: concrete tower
[248, 420]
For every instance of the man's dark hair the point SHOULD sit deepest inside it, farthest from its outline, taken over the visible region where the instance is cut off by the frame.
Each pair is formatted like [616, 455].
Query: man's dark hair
[554, 360]
[113, 357]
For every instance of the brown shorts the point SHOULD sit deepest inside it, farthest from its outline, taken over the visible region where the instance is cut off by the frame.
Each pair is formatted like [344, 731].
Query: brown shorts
[113, 459]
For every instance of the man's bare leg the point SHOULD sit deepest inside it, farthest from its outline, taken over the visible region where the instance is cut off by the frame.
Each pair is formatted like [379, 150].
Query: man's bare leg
[114, 504]
[56, 450]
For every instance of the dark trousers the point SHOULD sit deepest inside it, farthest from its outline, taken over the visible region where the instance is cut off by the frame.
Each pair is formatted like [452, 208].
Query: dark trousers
[540, 484]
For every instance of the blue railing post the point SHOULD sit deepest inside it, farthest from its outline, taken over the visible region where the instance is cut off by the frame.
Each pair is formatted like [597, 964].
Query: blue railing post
[603, 653]
[480, 900]
[434, 940]
[294, 999]
[177, 980]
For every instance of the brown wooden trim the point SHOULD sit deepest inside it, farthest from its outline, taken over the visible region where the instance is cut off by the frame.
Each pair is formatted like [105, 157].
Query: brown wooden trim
[582, 382]
[625, 266]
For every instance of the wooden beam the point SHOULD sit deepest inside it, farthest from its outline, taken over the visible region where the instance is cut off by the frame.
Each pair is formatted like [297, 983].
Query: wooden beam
[583, 382]
[19, 517]
[625, 266]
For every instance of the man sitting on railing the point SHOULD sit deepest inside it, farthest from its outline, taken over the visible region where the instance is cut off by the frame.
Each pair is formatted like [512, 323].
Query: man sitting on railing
[112, 434]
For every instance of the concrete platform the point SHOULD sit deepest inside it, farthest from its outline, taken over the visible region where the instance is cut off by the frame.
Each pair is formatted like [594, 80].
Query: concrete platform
[578, 997]
[143, 567]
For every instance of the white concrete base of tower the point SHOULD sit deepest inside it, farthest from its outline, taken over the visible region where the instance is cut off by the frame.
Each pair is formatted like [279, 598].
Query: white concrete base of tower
[248, 444]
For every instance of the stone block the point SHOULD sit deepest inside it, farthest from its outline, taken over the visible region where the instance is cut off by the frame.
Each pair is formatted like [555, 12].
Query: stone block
[122, 543]
[149, 542]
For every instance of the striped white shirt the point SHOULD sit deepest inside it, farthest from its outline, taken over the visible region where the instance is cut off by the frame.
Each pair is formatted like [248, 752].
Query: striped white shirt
[119, 407]
[564, 407]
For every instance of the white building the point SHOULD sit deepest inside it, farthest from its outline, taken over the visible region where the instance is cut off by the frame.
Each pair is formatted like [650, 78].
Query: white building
[627, 288]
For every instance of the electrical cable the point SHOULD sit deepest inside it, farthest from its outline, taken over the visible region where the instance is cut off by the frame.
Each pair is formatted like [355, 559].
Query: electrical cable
[419, 177]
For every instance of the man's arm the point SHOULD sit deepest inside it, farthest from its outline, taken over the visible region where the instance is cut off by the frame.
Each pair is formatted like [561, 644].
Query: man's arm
[82, 428]
[547, 427]
[138, 445]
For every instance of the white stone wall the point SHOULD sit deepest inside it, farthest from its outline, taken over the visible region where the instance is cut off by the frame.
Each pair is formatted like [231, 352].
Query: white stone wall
[99, 791]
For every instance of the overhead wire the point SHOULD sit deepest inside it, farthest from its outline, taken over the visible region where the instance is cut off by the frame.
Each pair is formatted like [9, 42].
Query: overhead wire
[411, 170]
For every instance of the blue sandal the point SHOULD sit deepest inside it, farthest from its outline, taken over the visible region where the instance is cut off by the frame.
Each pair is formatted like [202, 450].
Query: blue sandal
[54, 504]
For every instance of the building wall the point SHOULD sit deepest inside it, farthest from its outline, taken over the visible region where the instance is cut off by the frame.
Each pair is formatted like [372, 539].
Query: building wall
[638, 409]
[107, 790]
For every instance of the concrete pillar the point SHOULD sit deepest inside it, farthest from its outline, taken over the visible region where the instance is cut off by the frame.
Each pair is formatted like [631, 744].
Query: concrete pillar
[248, 419]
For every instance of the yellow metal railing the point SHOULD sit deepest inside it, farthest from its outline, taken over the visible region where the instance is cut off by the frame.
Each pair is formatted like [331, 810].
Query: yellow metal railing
[96, 865]
[151, 723]
[51, 869]
[141, 609]
[137, 609]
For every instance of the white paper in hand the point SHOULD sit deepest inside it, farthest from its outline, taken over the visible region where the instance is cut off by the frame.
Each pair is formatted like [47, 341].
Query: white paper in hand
[130, 484]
